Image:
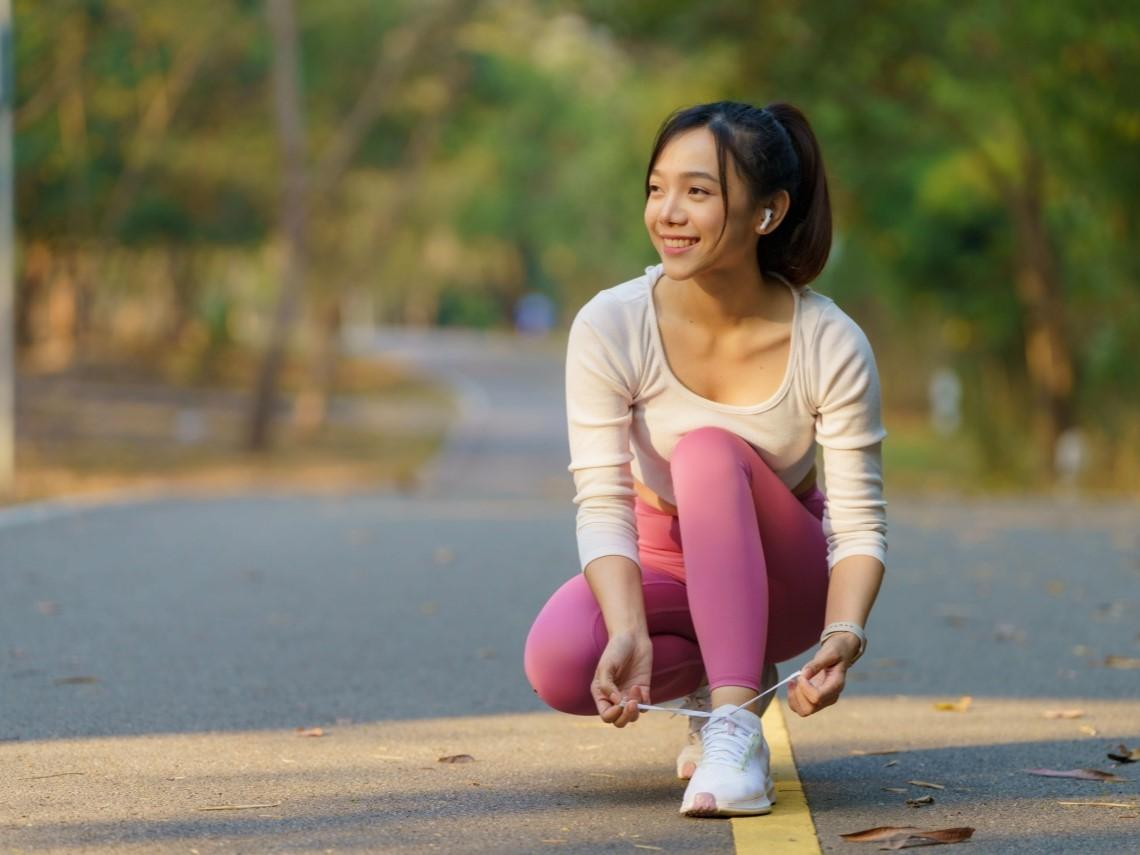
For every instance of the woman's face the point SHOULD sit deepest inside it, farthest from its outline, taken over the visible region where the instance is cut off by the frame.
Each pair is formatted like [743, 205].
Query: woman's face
[684, 212]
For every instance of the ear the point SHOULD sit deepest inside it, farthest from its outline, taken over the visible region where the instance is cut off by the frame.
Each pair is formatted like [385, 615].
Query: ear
[777, 205]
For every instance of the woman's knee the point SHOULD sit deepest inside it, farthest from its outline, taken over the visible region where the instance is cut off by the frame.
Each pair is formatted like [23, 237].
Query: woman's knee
[560, 674]
[708, 452]
[559, 659]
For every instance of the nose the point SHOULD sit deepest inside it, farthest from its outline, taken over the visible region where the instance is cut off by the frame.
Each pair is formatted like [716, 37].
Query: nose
[672, 211]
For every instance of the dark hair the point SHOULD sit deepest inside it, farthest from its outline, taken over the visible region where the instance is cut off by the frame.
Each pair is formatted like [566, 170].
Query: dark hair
[773, 148]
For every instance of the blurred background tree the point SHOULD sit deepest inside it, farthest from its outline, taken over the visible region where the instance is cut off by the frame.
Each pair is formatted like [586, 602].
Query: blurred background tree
[462, 153]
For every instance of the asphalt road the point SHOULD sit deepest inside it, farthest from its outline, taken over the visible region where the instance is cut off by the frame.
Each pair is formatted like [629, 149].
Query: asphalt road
[158, 657]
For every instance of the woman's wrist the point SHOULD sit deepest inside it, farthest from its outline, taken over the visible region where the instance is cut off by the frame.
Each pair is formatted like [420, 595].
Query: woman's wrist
[847, 644]
[847, 626]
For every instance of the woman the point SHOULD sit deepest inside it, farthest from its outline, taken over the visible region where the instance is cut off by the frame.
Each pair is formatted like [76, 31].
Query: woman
[696, 397]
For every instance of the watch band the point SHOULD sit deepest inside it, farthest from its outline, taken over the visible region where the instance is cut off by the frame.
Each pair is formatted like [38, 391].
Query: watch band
[846, 626]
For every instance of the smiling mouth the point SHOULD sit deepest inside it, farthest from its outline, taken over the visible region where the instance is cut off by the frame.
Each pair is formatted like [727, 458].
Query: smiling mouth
[680, 243]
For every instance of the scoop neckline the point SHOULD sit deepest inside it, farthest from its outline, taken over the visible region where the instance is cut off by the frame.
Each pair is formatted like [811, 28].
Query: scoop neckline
[654, 275]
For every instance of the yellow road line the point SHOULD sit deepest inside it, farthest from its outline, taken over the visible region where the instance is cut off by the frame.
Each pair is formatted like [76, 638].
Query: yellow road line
[788, 828]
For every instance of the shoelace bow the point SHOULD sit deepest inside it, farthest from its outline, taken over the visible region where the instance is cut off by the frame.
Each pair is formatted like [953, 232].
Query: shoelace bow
[703, 714]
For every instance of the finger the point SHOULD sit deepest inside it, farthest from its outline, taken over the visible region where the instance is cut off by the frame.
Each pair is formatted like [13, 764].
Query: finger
[830, 692]
[629, 713]
[808, 682]
[603, 704]
[610, 714]
[606, 697]
[809, 691]
[799, 705]
[793, 700]
[603, 688]
[835, 678]
[827, 656]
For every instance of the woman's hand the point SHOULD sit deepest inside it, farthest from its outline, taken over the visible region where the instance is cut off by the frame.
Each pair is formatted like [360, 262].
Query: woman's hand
[822, 679]
[621, 681]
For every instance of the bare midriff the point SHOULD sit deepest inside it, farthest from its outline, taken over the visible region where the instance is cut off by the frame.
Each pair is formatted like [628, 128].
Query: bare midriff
[654, 501]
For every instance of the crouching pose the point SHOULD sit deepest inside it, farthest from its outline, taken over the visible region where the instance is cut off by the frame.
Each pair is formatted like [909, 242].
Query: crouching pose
[697, 395]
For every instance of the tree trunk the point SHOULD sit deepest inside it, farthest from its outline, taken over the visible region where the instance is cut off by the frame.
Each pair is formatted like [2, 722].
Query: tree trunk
[312, 410]
[1048, 352]
[286, 79]
[183, 292]
[33, 283]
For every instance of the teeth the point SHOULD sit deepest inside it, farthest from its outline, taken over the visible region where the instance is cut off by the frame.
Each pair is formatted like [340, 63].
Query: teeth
[677, 243]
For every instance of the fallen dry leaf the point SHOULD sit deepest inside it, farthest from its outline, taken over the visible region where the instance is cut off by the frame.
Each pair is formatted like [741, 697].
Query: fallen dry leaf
[75, 681]
[240, 807]
[906, 836]
[891, 763]
[1008, 632]
[920, 801]
[1100, 804]
[1063, 713]
[1124, 754]
[879, 832]
[52, 775]
[646, 846]
[1126, 662]
[1088, 730]
[1080, 774]
[859, 752]
[960, 705]
[927, 784]
[310, 731]
[894, 789]
[930, 838]
[47, 607]
[457, 758]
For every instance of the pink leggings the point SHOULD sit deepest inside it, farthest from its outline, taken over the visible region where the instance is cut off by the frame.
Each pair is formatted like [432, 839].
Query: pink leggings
[749, 588]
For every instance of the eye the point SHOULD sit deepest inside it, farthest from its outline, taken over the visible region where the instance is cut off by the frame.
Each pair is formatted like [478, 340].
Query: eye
[699, 191]
[653, 188]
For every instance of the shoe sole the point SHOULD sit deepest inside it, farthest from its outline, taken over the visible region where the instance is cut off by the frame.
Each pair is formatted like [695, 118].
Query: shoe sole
[705, 806]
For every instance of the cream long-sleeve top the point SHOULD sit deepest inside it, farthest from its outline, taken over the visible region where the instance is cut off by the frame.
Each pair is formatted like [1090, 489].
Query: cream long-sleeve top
[626, 411]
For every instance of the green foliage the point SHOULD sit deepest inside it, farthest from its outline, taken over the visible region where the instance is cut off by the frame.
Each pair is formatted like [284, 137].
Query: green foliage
[509, 156]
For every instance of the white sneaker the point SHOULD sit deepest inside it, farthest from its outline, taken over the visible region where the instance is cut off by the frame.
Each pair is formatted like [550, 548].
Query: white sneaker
[689, 757]
[733, 776]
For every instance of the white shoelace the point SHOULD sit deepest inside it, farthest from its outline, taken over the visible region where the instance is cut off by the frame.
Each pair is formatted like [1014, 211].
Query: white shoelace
[702, 713]
[726, 742]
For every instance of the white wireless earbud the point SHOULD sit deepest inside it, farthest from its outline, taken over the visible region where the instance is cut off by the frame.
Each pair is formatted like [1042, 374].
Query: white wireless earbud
[767, 218]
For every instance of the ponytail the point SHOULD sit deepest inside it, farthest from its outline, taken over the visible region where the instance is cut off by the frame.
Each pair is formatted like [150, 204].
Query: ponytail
[799, 248]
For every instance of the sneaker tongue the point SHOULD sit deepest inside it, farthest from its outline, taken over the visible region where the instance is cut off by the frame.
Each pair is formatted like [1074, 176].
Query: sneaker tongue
[742, 718]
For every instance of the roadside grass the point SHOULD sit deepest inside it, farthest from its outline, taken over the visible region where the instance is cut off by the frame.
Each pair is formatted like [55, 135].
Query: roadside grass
[917, 460]
[129, 420]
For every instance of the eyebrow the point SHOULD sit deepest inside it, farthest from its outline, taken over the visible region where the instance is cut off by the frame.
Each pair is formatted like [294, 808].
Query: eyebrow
[704, 175]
